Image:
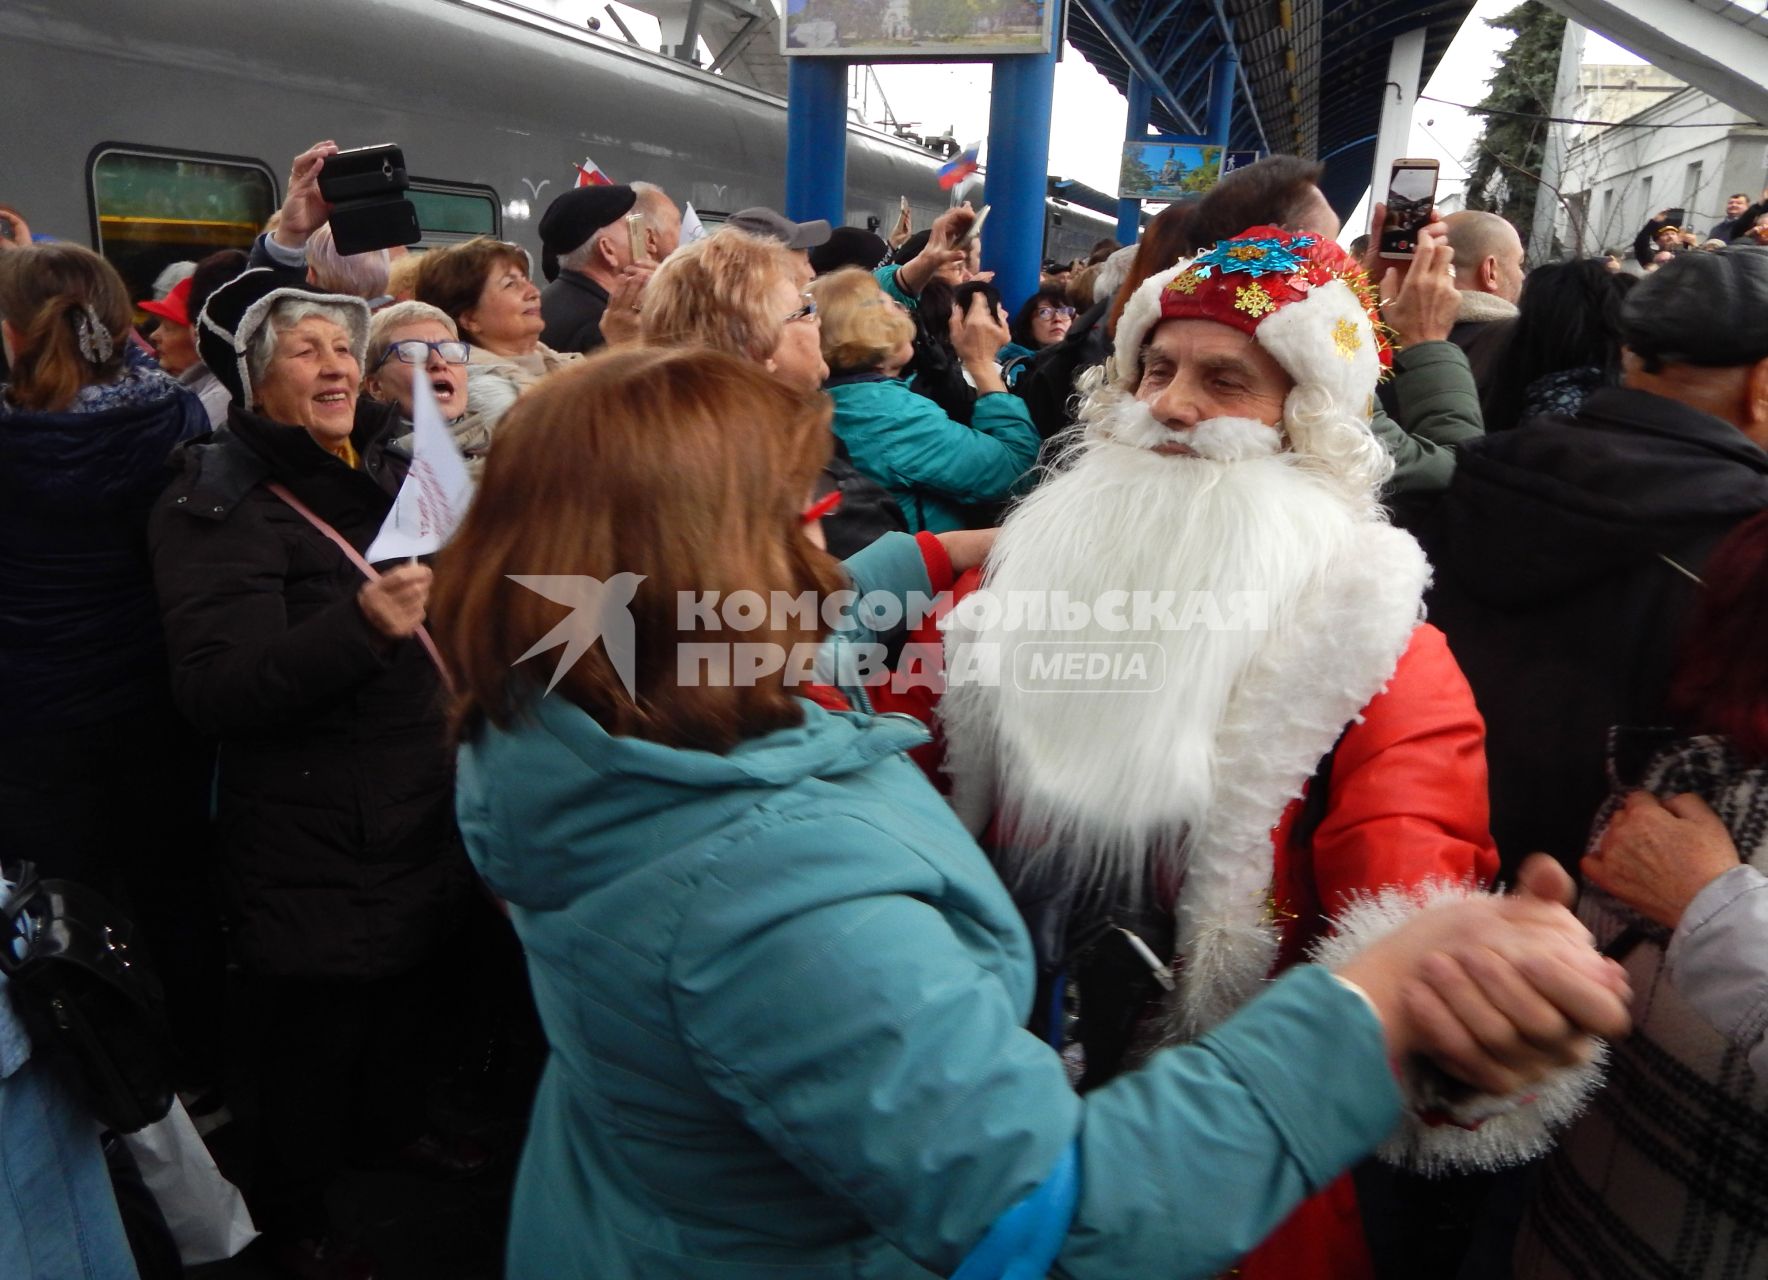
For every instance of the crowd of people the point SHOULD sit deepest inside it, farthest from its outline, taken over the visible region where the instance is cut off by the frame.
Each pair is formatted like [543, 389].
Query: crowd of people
[1249, 759]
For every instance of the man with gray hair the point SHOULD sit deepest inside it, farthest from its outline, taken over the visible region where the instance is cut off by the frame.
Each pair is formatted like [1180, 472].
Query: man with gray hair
[594, 261]
[354, 275]
[1567, 554]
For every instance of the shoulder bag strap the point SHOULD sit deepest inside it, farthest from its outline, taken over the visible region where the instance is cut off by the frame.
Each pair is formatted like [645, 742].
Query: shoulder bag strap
[368, 570]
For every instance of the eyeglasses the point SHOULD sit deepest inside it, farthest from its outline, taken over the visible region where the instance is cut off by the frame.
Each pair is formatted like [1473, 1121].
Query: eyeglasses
[1051, 313]
[417, 351]
[805, 312]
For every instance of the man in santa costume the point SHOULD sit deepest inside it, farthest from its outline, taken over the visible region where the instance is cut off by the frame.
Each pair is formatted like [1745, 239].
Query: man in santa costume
[1296, 763]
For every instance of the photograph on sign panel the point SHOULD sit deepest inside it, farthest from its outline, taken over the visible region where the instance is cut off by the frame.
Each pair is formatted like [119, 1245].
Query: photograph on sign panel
[1167, 170]
[880, 29]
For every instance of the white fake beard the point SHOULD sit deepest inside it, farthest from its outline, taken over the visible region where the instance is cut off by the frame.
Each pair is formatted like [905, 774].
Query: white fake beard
[1115, 785]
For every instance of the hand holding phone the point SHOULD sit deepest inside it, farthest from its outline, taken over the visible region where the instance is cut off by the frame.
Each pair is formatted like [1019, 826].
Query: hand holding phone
[974, 233]
[1411, 206]
[638, 242]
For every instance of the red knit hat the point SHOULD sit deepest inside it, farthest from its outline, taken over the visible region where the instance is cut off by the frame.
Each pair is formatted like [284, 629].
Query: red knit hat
[1262, 270]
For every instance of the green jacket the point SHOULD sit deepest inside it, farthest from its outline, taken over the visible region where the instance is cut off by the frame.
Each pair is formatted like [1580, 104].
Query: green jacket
[785, 994]
[932, 466]
[1438, 412]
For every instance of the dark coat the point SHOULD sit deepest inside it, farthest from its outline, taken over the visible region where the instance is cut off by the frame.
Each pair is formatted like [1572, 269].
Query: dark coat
[572, 307]
[867, 512]
[1554, 583]
[79, 626]
[339, 852]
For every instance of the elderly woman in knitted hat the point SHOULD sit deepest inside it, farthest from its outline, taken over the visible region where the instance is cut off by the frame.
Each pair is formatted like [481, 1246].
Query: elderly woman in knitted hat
[340, 862]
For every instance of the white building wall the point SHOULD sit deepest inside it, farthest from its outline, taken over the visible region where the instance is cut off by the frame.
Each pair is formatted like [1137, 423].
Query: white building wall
[1623, 175]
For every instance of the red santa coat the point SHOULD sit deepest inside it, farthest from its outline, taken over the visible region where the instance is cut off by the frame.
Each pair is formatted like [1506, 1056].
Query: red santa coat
[1407, 806]
[1407, 810]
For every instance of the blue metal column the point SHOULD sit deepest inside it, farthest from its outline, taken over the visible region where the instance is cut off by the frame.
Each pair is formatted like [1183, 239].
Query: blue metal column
[1141, 103]
[1222, 80]
[1019, 168]
[816, 140]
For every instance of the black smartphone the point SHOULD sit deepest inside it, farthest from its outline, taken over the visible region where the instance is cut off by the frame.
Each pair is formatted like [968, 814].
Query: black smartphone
[363, 173]
[366, 187]
[1411, 200]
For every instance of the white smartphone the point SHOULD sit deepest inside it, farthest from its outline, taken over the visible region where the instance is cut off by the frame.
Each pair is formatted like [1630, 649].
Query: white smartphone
[971, 236]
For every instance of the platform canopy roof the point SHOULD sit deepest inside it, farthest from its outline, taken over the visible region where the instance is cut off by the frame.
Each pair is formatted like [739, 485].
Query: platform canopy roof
[1312, 72]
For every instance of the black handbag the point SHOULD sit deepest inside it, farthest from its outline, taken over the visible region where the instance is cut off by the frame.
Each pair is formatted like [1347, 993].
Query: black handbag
[86, 1000]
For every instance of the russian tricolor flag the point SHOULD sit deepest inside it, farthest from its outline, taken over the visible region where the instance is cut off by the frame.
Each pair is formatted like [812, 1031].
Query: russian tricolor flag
[959, 167]
[589, 174]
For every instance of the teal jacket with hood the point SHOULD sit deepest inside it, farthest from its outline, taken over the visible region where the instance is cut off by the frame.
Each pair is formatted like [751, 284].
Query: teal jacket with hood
[785, 997]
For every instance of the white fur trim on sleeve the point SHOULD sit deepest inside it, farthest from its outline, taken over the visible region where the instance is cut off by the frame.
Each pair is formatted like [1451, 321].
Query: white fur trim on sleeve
[1139, 316]
[1440, 1136]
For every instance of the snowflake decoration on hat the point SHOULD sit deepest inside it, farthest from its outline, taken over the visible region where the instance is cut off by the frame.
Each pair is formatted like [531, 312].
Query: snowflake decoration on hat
[1185, 282]
[1253, 300]
[1345, 339]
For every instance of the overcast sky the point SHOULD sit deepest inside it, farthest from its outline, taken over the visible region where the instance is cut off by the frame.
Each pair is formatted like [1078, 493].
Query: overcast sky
[1090, 114]
[1087, 131]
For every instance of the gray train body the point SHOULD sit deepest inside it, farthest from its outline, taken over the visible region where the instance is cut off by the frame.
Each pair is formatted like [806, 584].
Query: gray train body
[483, 98]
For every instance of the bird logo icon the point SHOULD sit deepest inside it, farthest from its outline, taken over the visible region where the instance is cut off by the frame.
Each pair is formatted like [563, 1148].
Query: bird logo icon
[599, 610]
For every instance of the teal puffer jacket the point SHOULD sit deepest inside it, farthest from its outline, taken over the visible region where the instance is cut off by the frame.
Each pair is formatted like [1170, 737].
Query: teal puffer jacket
[933, 467]
[785, 996]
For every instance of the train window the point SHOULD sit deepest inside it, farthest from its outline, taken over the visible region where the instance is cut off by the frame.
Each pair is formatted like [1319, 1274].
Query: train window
[152, 208]
[449, 212]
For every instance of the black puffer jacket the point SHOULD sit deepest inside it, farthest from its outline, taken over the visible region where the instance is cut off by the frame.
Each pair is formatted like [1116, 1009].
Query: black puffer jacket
[1560, 552]
[336, 816]
[79, 627]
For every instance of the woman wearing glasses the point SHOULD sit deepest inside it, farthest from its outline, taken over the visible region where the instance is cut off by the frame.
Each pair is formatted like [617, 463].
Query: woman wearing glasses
[412, 340]
[1043, 321]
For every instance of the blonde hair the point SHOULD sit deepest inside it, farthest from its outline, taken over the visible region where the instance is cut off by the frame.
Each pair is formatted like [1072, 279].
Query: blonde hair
[715, 293]
[400, 315]
[862, 324]
[402, 276]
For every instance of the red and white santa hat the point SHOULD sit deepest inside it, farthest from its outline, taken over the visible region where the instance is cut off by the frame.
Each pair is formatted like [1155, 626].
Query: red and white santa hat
[1302, 298]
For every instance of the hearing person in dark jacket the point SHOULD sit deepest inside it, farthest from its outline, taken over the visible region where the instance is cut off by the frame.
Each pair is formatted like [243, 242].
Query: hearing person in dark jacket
[341, 865]
[1568, 553]
[100, 780]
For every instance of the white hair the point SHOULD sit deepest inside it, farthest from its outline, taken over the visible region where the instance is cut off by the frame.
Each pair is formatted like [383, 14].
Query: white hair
[1335, 445]
[357, 275]
[1112, 273]
[289, 312]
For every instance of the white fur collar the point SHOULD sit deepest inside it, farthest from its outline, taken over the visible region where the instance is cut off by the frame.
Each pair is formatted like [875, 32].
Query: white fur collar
[1292, 705]
[1481, 307]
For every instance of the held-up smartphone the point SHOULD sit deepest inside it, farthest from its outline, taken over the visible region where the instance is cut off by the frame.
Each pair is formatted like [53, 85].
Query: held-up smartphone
[362, 173]
[974, 234]
[366, 188]
[1411, 199]
[636, 240]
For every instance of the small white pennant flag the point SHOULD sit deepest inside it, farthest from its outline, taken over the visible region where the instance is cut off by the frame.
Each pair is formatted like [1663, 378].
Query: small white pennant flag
[692, 228]
[434, 497]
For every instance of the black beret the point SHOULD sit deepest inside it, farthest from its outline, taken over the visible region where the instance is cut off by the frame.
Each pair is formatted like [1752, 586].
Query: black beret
[910, 249]
[849, 247]
[1702, 309]
[576, 215]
